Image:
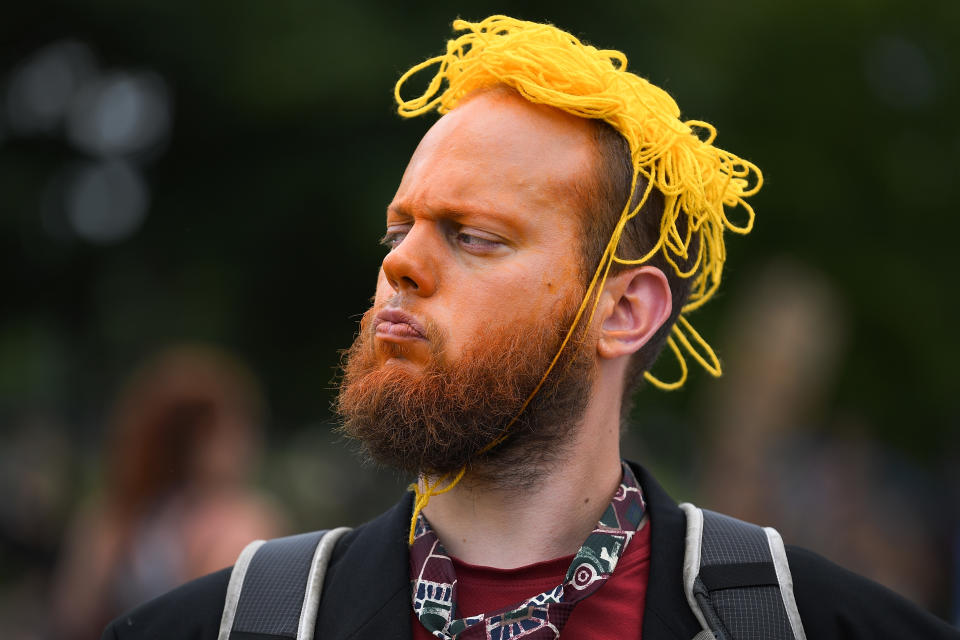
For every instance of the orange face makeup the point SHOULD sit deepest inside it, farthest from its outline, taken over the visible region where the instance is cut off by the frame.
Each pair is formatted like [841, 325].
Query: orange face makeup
[483, 230]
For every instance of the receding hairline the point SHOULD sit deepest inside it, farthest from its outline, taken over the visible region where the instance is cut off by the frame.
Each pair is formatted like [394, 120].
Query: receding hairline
[592, 185]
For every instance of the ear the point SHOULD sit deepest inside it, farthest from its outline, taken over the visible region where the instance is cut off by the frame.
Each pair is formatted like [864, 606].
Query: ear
[634, 304]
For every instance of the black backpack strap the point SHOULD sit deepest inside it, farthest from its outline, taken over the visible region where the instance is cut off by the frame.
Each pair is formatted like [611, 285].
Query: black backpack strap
[274, 588]
[737, 579]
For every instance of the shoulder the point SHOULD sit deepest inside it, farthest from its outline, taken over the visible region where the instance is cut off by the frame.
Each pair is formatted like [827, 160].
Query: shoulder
[837, 603]
[833, 602]
[189, 612]
[368, 565]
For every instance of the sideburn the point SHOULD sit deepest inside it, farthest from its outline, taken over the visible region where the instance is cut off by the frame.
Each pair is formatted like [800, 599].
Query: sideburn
[438, 420]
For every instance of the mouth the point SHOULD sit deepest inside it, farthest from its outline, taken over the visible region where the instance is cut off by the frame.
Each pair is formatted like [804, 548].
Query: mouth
[394, 324]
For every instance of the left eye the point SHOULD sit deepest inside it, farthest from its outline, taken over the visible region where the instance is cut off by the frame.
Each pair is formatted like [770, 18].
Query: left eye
[472, 241]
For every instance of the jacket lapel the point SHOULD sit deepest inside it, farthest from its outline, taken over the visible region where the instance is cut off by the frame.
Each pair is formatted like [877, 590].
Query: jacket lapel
[369, 581]
[667, 614]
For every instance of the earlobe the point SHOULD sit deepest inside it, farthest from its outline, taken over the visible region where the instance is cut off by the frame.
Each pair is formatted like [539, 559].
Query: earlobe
[637, 303]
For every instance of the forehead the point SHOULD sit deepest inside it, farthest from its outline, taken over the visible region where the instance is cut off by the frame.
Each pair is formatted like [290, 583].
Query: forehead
[499, 152]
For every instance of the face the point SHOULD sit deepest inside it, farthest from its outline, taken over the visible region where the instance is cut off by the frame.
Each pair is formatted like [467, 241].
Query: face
[480, 284]
[483, 229]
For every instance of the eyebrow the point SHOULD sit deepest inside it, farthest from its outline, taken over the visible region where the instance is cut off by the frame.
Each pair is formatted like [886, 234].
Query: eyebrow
[458, 213]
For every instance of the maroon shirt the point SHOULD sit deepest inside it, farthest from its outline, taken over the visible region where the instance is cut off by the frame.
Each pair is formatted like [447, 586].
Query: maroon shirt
[614, 611]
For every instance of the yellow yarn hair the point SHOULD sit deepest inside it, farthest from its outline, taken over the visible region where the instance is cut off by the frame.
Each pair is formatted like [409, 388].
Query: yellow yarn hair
[699, 181]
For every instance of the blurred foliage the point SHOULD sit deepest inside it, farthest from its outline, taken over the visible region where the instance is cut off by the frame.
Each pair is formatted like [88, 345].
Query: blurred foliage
[267, 202]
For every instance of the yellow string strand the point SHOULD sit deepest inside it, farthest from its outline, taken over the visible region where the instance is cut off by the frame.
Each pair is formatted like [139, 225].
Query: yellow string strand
[670, 386]
[422, 497]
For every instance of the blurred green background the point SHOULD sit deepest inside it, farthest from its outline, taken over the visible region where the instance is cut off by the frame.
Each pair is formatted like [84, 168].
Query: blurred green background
[246, 202]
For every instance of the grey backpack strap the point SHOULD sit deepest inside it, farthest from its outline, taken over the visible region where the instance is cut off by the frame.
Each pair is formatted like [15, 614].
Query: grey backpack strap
[737, 580]
[274, 588]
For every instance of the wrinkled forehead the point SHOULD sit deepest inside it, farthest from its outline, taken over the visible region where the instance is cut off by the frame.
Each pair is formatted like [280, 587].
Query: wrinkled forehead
[497, 138]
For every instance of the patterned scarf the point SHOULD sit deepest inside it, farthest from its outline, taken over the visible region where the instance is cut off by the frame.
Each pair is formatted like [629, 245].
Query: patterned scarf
[542, 617]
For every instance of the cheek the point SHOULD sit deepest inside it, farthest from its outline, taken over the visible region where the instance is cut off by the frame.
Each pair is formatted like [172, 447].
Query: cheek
[508, 304]
[549, 289]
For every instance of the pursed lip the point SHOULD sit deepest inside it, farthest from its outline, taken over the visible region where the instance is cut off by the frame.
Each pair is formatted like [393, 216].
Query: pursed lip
[397, 324]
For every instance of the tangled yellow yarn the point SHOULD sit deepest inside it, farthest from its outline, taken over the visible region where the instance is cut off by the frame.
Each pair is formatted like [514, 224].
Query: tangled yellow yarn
[699, 181]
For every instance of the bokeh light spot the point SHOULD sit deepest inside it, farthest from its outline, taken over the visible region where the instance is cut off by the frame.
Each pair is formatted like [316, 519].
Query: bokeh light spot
[42, 87]
[120, 114]
[107, 202]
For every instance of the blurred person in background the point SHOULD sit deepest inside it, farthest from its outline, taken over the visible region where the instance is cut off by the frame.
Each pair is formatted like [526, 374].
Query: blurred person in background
[184, 439]
[36, 479]
[775, 453]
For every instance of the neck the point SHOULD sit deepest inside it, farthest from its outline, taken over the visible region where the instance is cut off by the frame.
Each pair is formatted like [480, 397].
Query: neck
[520, 525]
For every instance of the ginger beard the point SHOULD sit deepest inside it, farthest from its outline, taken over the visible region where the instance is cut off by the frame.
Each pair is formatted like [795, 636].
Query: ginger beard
[438, 419]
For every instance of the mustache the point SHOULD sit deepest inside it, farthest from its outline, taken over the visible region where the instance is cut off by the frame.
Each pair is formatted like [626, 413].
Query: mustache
[435, 336]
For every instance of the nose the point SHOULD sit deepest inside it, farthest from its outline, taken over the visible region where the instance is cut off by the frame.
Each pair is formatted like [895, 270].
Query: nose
[411, 266]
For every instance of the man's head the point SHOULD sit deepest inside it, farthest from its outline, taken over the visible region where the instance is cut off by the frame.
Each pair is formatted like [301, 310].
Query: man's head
[486, 271]
[559, 197]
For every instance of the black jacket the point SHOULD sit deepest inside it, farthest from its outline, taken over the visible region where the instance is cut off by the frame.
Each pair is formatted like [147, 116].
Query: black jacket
[366, 593]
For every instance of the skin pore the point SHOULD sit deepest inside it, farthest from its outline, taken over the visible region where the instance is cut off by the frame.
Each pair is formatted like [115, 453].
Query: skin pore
[484, 235]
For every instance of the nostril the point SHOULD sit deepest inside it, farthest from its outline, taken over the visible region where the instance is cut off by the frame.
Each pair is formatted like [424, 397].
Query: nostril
[409, 282]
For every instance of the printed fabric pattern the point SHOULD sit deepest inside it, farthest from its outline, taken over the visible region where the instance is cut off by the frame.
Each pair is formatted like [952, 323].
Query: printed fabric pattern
[541, 617]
